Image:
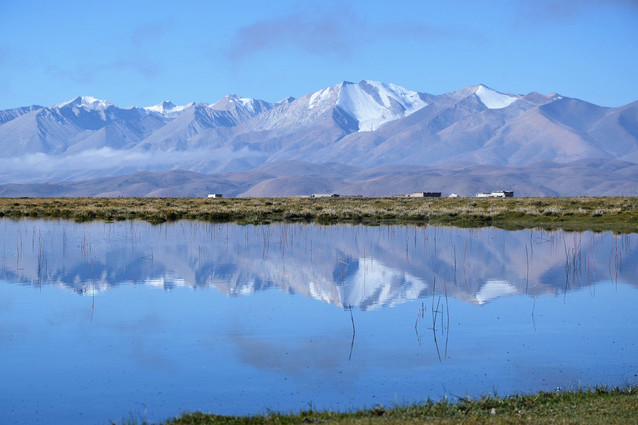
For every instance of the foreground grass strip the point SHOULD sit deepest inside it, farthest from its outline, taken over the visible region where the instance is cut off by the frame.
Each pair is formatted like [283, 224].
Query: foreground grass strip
[619, 214]
[597, 406]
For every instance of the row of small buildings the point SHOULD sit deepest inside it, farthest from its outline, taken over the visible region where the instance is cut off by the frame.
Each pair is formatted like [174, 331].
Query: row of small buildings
[497, 194]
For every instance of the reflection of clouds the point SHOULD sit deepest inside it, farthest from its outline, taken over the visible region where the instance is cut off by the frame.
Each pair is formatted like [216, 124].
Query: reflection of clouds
[135, 334]
[318, 352]
[307, 358]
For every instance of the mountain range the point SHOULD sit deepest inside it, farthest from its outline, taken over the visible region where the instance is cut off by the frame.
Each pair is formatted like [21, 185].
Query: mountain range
[365, 138]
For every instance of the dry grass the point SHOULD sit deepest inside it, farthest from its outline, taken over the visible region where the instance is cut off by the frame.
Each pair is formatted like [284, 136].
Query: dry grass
[618, 214]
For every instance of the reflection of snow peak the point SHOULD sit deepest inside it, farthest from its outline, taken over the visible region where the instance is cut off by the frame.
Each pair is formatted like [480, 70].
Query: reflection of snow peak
[165, 282]
[345, 266]
[375, 285]
[494, 289]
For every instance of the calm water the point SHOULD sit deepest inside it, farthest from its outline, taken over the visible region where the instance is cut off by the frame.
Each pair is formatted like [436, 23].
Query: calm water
[106, 322]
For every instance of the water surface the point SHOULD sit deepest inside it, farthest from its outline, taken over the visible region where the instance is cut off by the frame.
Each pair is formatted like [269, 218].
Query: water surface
[104, 321]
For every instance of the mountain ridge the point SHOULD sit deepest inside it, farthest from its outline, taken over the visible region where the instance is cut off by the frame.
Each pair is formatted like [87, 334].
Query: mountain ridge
[366, 125]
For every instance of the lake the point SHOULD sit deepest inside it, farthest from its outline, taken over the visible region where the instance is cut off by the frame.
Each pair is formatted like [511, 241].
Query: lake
[108, 322]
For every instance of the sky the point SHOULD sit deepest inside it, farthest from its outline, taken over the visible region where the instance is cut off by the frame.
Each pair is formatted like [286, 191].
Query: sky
[140, 53]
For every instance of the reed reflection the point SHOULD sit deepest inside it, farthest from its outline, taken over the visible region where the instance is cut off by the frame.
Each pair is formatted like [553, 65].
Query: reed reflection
[347, 266]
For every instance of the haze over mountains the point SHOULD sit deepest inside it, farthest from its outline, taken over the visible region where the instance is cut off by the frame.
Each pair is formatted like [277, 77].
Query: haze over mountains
[366, 138]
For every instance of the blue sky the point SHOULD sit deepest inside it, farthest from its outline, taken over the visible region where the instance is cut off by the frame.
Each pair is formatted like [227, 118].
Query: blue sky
[143, 52]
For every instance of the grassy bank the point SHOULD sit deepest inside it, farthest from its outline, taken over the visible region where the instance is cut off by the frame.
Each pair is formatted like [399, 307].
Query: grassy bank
[618, 214]
[599, 406]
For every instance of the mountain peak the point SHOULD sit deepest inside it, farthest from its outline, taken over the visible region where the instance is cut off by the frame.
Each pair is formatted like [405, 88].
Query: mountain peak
[289, 99]
[87, 102]
[493, 99]
[373, 103]
[232, 101]
[167, 107]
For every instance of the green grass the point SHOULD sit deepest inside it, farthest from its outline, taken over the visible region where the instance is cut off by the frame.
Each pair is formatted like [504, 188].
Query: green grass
[619, 214]
[596, 406]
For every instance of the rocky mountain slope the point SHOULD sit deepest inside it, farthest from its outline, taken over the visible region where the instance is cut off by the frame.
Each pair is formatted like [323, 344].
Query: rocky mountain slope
[364, 125]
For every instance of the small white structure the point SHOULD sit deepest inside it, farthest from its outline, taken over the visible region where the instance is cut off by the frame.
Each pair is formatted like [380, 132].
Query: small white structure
[215, 195]
[425, 195]
[324, 195]
[498, 194]
[453, 195]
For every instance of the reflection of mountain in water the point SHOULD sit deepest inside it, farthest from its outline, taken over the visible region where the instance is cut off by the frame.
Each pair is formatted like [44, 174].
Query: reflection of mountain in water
[367, 267]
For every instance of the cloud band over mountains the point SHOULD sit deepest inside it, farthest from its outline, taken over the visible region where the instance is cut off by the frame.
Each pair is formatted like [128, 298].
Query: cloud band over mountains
[335, 29]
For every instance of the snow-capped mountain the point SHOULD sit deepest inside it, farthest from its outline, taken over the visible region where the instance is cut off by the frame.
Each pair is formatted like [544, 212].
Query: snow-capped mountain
[249, 106]
[86, 102]
[370, 103]
[167, 108]
[493, 99]
[366, 124]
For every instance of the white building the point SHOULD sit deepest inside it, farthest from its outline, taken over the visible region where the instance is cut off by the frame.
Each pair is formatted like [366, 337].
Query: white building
[324, 195]
[425, 195]
[498, 194]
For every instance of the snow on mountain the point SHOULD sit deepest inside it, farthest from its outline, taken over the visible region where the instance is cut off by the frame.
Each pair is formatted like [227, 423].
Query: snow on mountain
[371, 103]
[365, 124]
[233, 102]
[322, 96]
[250, 105]
[374, 104]
[167, 107]
[87, 102]
[493, 99]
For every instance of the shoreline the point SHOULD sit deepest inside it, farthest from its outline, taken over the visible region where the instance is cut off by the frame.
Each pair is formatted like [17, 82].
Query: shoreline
[600, 405]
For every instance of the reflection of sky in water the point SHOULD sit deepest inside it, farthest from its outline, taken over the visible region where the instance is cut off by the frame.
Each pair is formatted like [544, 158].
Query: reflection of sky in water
[142, 350]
